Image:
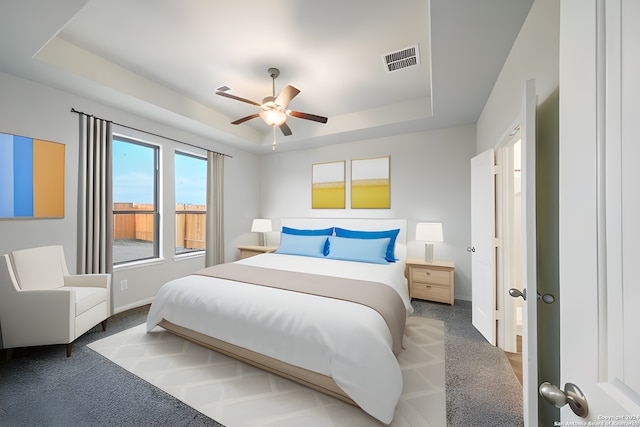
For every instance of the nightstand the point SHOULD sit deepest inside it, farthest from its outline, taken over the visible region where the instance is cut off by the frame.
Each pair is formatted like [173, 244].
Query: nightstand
[431, 281]
[247, 251]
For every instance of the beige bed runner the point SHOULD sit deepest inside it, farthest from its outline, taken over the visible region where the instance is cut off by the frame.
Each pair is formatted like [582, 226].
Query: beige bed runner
[378, 296]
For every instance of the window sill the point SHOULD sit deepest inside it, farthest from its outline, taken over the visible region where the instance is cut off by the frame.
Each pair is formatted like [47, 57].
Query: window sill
[136, 264]
[188, 255]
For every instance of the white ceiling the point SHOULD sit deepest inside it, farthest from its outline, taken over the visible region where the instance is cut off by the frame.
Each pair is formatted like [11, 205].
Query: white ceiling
[164, 59]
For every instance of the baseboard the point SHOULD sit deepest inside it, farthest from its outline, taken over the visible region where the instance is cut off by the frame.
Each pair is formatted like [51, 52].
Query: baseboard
[136, 304]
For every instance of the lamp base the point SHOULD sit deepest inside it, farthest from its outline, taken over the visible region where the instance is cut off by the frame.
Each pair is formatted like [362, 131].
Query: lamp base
[428, 252]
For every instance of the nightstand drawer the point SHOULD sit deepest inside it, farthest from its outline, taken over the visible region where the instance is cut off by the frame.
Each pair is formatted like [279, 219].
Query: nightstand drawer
[249, 251]
[431, 292]
[431, 281]
[437, 277]
[246, 253]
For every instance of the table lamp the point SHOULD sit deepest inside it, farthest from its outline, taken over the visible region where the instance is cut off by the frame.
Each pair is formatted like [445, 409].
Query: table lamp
[262, 226]
[429, 232]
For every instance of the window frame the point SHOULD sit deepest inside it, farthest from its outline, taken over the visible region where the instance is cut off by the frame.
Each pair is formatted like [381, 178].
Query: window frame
[186, 252]
[156, 201]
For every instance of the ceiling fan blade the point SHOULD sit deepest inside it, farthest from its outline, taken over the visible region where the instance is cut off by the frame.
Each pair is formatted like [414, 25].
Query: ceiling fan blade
[307, 116]
[237, 98]
[285, 129]
[286, 95]
[244, 119]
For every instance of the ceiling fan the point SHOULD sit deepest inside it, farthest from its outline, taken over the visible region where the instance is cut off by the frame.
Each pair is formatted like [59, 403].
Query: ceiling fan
[274, 108]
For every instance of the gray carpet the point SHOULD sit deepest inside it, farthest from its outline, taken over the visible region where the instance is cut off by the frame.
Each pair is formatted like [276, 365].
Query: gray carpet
[482, 389]
[42, 387]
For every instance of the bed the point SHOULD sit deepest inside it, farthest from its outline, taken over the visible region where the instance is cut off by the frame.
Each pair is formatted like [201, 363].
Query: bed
[330, 343]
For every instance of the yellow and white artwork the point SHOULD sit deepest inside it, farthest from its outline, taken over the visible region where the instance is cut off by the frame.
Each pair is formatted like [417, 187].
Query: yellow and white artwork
[328, 185]
[370, 183]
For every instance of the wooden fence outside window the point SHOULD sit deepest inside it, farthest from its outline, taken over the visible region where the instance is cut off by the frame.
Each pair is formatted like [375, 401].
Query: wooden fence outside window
[137, 225]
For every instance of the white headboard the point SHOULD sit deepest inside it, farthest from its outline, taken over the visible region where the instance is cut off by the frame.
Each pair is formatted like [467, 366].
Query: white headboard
[351, 223]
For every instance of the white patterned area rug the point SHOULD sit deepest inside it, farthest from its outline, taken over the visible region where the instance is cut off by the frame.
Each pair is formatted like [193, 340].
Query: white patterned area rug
[238, 395]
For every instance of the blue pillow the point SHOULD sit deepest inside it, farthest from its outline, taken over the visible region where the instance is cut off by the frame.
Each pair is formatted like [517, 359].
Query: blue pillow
[358, 234]
[293, 244]
[361, 250]
[319, 232]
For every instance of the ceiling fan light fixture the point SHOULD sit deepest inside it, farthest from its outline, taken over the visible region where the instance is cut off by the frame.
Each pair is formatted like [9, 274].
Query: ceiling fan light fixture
[273, 117]
[274, 108]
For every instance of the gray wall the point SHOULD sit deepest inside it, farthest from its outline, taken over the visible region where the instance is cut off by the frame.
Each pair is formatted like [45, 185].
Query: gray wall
[534, 55]
[38, 111]
[430, 181]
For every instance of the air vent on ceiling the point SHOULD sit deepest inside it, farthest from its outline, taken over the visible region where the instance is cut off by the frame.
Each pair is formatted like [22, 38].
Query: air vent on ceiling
[404, 58]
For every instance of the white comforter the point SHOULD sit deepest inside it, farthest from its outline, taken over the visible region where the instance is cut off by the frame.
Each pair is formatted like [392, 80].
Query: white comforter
[347, 341]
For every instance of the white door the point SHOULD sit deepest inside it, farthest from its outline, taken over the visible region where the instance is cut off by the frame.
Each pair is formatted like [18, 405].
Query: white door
[483, 283]
[483, 265]
[600, 208]
[529, 258]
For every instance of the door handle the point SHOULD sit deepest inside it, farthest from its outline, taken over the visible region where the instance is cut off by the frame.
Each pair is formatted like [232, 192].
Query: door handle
[471, 249]
[547, 298]
[571, 395]
[517, 293]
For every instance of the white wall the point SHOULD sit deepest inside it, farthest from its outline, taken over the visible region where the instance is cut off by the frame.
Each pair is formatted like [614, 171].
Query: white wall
[535, 54]
[38, 111]
[430, 181]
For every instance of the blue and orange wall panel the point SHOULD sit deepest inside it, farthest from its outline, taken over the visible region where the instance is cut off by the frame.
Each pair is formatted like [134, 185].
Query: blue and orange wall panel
[31, 178]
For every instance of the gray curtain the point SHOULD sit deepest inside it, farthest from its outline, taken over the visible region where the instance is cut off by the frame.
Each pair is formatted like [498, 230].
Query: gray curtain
[95, 206]
[215, 218]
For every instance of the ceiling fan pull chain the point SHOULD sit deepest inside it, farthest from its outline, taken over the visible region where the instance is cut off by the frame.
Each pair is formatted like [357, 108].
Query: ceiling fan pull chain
[273, 147]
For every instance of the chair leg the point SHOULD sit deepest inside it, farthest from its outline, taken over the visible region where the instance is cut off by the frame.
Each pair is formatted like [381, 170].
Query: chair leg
[69, 348]
[104, 325]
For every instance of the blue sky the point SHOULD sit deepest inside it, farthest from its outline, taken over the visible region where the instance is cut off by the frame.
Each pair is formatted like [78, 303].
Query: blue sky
[191, 180]
[133, 167]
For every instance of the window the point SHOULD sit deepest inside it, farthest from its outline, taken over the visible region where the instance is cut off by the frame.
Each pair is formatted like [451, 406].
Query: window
[135, 201]
[191, 202]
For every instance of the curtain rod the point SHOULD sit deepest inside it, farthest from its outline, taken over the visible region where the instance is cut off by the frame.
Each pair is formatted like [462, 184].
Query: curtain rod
[73, 110]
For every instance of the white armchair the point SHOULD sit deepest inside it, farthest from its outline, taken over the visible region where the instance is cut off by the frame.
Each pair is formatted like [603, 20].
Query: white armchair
[41, 303]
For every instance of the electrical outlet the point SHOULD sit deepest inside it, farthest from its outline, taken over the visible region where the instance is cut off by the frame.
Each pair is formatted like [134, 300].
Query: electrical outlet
[123, 285]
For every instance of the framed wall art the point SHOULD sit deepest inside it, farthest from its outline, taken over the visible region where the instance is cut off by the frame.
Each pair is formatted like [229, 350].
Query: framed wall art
[328, 185]
[370, 183]
[31, 178]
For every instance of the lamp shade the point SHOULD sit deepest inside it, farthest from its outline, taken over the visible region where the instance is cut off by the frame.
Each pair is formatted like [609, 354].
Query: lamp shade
[261, 226]
[273, 117]
[429, 232]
